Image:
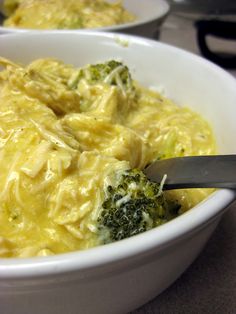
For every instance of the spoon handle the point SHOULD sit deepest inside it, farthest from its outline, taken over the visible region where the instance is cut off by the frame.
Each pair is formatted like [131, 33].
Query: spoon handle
[218, 171]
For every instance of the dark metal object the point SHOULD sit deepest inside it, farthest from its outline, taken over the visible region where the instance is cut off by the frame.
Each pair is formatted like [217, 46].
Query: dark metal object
[215, 7]
[222, 29]
[195, 172]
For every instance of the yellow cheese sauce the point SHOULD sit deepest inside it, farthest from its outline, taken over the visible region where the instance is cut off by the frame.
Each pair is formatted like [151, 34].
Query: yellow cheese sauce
[64, 134]
[64, 14]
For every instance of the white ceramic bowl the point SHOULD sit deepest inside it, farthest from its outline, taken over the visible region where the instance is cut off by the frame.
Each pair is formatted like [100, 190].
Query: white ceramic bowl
[150, 16]
[120, 277]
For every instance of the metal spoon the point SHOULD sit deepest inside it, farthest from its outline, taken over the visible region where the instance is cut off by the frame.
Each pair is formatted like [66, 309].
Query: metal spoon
[195, 172]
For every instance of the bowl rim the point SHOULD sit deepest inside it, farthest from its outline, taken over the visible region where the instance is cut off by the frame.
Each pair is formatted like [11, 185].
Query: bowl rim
[155, 239]
[163, 10]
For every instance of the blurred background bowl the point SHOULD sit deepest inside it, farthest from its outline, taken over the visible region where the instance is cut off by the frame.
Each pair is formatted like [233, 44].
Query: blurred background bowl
[119, 277]
[150, 16]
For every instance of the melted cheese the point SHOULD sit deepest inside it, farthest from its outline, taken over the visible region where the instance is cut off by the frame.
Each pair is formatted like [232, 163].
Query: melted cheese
[64, 14]
[63, 141]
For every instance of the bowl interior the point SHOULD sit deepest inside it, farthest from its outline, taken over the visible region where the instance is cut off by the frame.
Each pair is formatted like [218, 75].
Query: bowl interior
[186, 78]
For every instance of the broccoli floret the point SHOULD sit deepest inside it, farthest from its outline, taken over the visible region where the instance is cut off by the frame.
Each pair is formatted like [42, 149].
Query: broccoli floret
[100, 72]
[111, 72]
[9, 6]
[132, 206]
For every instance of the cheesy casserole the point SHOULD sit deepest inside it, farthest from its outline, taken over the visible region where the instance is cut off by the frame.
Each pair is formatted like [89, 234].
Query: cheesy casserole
[66, 134]
[64, 14]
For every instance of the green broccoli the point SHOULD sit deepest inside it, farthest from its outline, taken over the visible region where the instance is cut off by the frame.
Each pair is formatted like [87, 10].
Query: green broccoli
[9, 6]
[132, 206]
[101, 71]
[111, 73]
